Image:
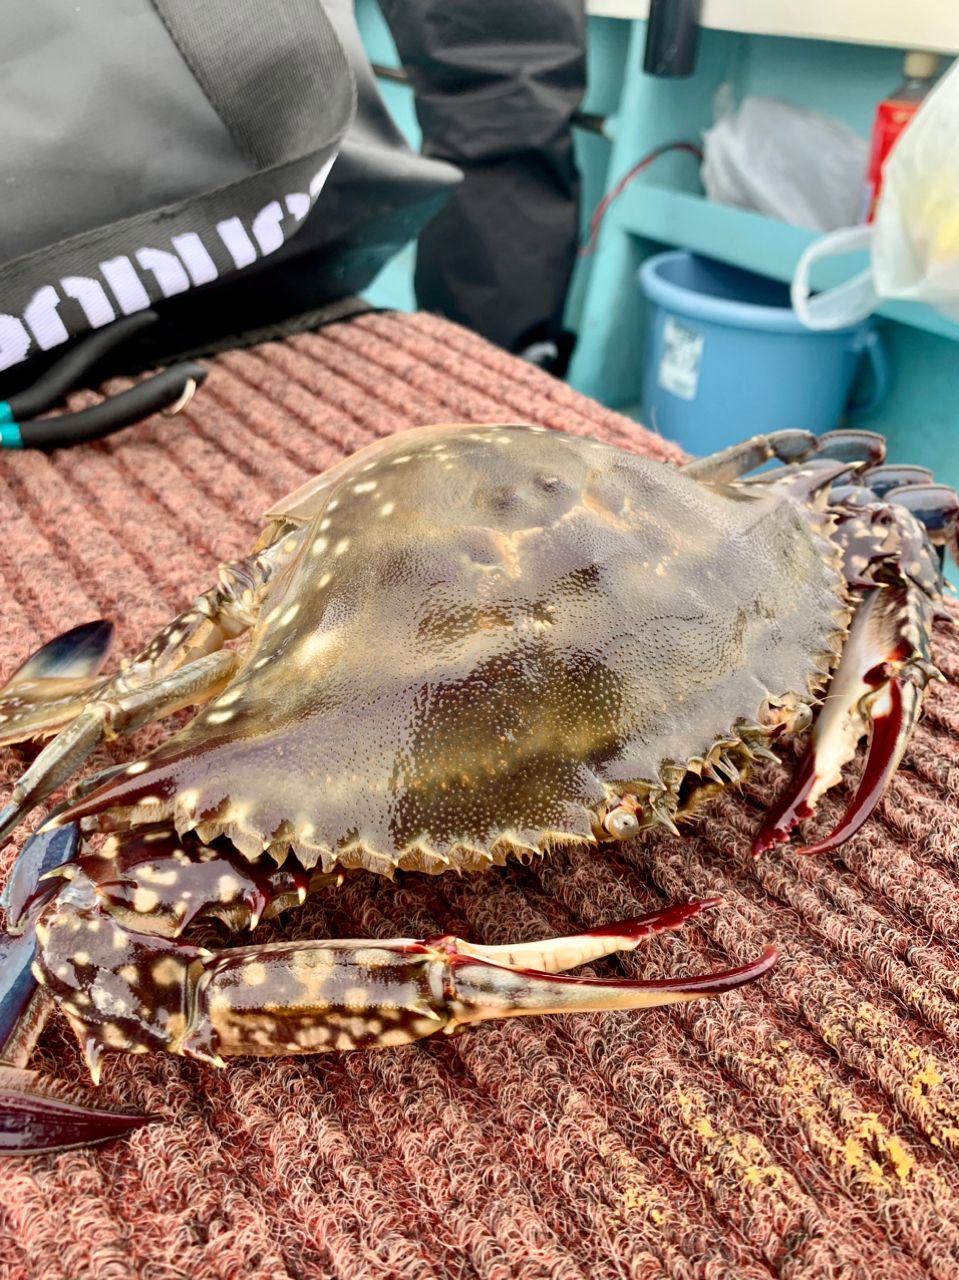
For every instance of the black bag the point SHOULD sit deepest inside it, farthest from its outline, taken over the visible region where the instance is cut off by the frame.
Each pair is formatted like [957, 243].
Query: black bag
[170, 155]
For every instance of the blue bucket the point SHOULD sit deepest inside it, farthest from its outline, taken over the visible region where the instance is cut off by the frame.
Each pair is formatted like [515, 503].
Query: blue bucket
[727, 358]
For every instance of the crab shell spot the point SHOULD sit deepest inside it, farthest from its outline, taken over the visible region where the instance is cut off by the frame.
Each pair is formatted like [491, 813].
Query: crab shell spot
[313, 1037]
[289, 615]
[113, 1036]
[342, 546]
[316, 984]
[358, 1028]
[218, 717]
[320, 545]
[394, 1037]
[187, 800]
[145, 900]
[316, 646]
[228, 888]
[387, 508]
[255, 974]
[231, 696]
[166, 972]
[137, 767]
[368, 486]
[151, 874]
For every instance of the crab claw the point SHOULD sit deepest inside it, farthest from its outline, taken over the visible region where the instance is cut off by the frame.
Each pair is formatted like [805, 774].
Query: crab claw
[892, 727]
[359, 994]
[878, 688]
[483, 990]
[32, 1122]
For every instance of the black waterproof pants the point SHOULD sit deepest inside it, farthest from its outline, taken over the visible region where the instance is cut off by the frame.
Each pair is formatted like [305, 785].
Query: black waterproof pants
[496, 83]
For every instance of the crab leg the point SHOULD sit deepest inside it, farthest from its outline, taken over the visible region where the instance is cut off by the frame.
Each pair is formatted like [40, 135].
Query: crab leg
[738, 459]
[878, 688]
[108, 716]
[295, 997]
[153, 880]
[850, 445]
[32, 1122]
[126, 990]
[788, 447]
[883, 479]
[54, 683]
[23, 1003]
[44, 853]
[185, 658]
[557, 954]
[935, 506]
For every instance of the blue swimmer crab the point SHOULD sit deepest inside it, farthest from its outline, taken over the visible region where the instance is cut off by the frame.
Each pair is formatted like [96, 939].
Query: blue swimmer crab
[465, 644]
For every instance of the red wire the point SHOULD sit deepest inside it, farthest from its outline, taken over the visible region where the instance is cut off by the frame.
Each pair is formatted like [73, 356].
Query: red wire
[599, 212]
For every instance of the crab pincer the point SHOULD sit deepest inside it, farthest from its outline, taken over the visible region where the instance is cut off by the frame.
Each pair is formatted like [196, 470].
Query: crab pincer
[305, 997]
[885, 668]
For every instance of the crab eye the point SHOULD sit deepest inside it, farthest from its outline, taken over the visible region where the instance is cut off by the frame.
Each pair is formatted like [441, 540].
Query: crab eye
[803, 718]
[621, 824]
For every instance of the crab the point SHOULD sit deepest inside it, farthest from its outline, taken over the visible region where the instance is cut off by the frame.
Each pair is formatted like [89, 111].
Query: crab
[465, 644]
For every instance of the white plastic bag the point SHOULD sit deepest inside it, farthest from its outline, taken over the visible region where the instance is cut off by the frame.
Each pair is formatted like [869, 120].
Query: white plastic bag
[914, 241]
[795, 165]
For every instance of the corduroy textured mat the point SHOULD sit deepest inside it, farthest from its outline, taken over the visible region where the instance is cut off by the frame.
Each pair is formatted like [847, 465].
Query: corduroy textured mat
[803, 1127]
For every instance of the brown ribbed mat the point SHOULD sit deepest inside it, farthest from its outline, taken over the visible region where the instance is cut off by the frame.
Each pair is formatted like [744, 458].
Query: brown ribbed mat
[803, 1127]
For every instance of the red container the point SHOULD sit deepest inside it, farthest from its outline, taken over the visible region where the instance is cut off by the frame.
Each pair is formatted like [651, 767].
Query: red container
[892, 116]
